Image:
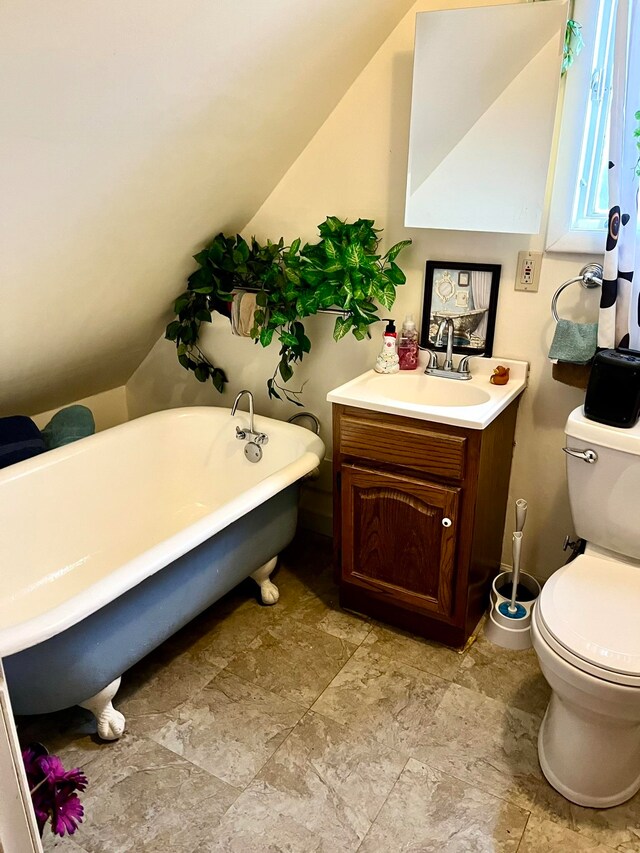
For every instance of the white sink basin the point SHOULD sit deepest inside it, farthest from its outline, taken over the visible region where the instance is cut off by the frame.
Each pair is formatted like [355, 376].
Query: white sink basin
[415, 387]
[470, 403]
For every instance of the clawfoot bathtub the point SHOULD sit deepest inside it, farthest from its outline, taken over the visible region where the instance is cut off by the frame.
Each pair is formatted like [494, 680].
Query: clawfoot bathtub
[110, 545]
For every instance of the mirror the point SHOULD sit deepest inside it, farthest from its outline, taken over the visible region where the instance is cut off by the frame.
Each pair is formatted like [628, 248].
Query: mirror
[467, 293]
[485, 86]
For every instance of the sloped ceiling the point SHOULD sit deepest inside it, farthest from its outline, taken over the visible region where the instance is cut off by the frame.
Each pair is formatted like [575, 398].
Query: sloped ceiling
[131, 133]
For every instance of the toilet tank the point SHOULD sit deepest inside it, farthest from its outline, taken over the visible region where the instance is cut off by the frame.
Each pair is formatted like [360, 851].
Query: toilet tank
[605, 495]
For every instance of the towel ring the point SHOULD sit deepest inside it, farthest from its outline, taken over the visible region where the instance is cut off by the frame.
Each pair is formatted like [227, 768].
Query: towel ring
[590, 277]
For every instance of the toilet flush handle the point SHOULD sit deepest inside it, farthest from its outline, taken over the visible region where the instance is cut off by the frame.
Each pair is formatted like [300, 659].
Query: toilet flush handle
[589, 456]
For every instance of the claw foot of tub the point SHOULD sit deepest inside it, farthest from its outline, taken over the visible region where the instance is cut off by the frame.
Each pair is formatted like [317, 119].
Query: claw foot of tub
[268, 590]
[110, 722]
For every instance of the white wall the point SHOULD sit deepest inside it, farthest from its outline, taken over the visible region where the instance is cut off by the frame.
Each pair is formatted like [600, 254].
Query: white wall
[356, 166]
[130, 134]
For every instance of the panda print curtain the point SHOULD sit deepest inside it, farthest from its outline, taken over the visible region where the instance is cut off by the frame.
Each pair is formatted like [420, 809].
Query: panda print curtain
[619, 321]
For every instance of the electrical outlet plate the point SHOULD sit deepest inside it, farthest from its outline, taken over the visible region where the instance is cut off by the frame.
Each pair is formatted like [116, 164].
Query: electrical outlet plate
[528, 271]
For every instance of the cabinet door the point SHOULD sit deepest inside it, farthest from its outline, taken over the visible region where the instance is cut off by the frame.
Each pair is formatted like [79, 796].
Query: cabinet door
[398, 537]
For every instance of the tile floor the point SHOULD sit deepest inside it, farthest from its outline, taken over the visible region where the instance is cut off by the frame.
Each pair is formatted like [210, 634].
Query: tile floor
[302, 728]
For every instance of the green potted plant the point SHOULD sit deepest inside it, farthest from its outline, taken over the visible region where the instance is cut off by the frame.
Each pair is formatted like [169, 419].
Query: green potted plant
[341, 271]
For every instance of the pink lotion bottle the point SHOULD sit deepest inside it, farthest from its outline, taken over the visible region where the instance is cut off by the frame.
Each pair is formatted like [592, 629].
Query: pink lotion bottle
[408, 344]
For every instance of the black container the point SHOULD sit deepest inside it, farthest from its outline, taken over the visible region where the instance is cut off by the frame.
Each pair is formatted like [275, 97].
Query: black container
[613, 393]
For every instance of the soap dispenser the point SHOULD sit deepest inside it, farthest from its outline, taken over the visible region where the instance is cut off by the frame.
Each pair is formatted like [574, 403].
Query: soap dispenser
[388, 361]
[408, 344]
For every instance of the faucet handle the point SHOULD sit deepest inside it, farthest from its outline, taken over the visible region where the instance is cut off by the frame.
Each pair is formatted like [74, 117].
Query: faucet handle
[463, 364]
[433, 360]
[240, 433]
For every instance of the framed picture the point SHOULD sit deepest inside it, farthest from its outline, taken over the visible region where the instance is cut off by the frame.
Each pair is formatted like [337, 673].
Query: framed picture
[466, 293]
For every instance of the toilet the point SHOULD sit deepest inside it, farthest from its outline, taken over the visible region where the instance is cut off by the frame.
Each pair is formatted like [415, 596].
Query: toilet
[585, 626]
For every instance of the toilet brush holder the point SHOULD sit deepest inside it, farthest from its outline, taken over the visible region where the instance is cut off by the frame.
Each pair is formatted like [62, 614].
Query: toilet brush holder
[511, 631]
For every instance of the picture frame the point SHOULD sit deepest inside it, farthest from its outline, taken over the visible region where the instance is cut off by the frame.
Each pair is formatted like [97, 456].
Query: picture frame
[468, 294]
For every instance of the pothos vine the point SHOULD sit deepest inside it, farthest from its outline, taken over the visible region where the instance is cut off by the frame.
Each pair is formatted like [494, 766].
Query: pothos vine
[342, 270]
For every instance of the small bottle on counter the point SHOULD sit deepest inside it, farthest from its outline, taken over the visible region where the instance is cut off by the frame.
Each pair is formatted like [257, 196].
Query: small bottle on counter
[408, 344]
[387, 361]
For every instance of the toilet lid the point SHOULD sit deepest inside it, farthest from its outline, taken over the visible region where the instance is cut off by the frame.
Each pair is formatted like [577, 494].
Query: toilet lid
[591, 607]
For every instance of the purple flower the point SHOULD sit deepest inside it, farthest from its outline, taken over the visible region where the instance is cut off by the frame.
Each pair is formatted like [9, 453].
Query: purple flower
[67, 813]
[52, 768]
[53, 790]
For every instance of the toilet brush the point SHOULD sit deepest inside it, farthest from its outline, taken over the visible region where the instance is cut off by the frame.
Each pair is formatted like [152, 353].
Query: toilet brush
[521, 514]
[515, 610]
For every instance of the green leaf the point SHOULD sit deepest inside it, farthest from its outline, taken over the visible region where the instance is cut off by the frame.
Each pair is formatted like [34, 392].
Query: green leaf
[203, 288]
[395, 274]
[266, 336]
[285, 370]
[311, 275]
[202, 373]
[394, 251]
[288, 339]
[343, 324]
[292, 275]
[293, 248]
[203, 315]
[330, 249]
[386, 295]
[218, 378]
[272, 391]
[278, 318]
[262, 299]
[305, 343]
[354, 255]
[173, 328]
[326, 295]
[259, 317]
[181, 302]
[360, 332]
[307, 303]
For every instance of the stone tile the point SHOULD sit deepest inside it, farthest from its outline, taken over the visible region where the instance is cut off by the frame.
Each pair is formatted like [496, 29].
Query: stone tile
[486, 743]
[229, 729]
[182, 665]
[293, 661]
[544, 835]
[67, 843]
[373, 695]
[147, 798]
[512, 677]
[618, 827]
[415, 651]
[431, 812]
[324, 782]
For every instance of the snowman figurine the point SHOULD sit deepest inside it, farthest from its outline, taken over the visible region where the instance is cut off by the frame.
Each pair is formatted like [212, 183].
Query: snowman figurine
[388, 361]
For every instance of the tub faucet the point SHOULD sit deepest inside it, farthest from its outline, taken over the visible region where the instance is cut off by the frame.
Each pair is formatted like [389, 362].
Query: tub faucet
[256, 437]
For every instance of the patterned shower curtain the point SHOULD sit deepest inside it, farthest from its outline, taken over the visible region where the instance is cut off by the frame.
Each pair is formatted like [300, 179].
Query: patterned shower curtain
[619, 321]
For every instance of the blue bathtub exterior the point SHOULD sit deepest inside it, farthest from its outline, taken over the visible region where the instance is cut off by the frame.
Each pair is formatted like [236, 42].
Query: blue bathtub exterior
[77, 663]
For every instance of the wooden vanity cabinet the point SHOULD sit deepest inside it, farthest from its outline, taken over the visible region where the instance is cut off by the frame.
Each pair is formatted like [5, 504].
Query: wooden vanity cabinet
[419, 512]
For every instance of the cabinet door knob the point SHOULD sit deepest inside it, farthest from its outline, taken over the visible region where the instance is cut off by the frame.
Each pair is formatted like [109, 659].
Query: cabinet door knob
[446, 522]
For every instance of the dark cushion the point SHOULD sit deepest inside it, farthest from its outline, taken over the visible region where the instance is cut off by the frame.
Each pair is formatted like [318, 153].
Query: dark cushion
[20, 439]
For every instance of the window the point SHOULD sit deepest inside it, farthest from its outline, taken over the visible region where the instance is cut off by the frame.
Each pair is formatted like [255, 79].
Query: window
[579, 206]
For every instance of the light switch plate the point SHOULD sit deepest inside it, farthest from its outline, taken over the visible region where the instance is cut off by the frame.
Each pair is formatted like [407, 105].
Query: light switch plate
[528, 271]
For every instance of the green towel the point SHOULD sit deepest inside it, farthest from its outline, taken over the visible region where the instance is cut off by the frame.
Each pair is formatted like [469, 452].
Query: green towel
[574, 342]
[68, 425]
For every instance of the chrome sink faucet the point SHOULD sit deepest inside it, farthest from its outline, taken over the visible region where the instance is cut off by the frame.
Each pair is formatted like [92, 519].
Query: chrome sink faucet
[446, 325]
[447, 371]
[256, 437]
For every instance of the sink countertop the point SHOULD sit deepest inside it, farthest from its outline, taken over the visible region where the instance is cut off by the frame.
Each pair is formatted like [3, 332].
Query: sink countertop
[472, 403]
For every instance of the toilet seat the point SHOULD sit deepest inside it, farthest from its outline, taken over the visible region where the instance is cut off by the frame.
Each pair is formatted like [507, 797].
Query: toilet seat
[589, 614]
